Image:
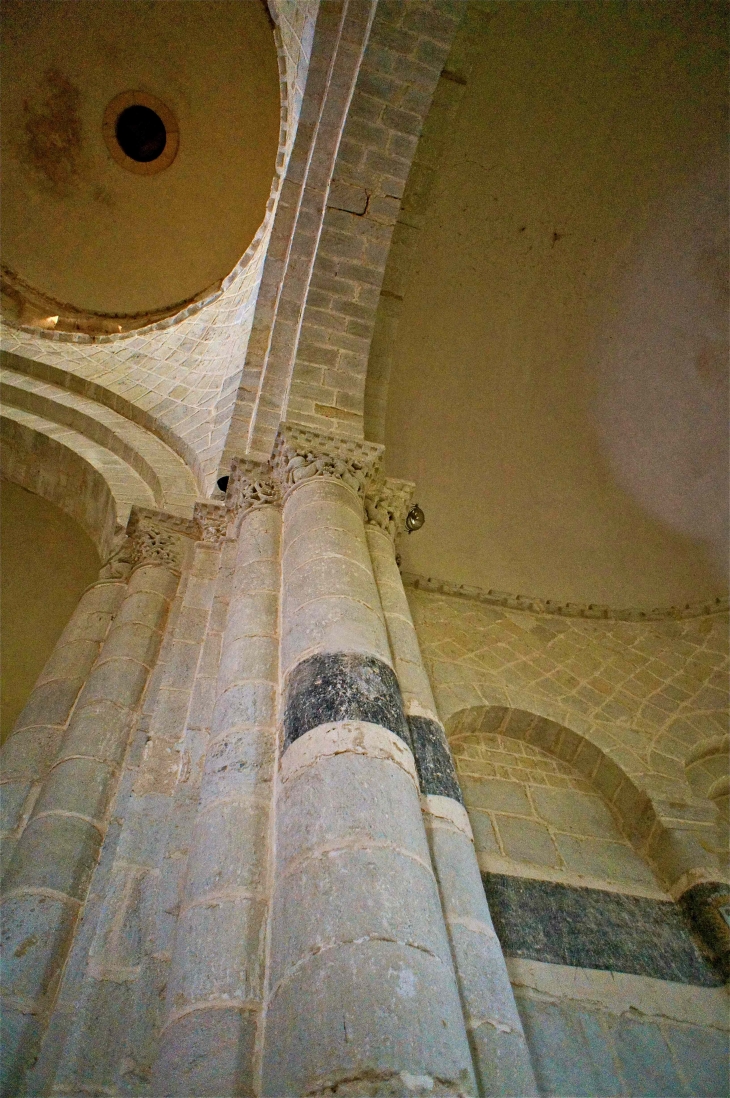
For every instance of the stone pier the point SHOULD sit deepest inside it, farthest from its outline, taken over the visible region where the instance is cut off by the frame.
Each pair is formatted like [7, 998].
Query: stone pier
[209, 1042]
[499, 1049]
[45, 885]
[361, 989]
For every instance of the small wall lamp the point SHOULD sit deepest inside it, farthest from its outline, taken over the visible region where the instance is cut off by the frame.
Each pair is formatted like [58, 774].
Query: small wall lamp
[415, 519]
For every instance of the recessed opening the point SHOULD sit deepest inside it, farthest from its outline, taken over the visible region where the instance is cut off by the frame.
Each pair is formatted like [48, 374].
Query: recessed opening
[141, 133]
[223, 483]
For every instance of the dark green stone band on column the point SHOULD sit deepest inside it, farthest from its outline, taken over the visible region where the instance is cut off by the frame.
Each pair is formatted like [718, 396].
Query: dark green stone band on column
[342, 686]
[435, 765]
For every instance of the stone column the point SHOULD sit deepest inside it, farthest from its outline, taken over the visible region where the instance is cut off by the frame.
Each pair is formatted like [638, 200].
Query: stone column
[361, 995]
[46, 882]
[32, 747]
[208, 1045]
[499, 1049]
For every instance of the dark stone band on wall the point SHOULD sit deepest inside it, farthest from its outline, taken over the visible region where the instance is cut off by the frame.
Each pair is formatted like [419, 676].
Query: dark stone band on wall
[435, 766]
[589, 928]
[707, 909]
[342, 686]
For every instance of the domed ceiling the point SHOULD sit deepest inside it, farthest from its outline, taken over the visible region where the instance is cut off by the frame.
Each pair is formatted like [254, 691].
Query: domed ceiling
[559, 386]
[89, 228]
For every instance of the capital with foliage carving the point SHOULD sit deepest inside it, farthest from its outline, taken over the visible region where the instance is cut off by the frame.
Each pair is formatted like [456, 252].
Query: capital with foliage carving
[212, 521]
[387, 502]
[159, 538]
[251, 484]
[300, 454]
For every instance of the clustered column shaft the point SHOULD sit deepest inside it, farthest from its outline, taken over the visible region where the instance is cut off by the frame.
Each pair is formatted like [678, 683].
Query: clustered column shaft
[33, 745]
[208, 1045]
[499, 1049]
[361, 988]
[45, 885]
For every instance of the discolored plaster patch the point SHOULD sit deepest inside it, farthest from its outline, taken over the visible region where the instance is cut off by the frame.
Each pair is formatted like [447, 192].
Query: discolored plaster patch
[51, 142]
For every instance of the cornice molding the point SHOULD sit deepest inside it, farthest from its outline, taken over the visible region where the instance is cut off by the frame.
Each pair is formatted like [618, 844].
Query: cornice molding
[594, 611]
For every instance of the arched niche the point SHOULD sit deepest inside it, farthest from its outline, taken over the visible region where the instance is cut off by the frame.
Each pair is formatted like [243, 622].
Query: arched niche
[545, 802]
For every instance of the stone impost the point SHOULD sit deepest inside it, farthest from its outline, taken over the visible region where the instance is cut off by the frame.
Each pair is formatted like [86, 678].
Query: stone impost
[499, 1049]
[33, 745]
[361, 994]
[215, 989]
[47, 879]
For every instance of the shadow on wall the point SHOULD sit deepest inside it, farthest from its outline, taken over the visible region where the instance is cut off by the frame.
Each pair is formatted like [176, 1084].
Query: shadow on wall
[47, 562]
[662, 365]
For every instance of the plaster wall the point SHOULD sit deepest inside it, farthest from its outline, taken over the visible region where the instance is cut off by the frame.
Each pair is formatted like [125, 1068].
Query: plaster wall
[555, 318]
[47, 562]
[79, 227]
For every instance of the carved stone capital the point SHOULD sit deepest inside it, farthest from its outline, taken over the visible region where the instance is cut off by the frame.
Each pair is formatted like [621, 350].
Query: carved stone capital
[118, 564]
[300, 454]
[159, 538]
[387, 502]
[251, 484]
[212, 521]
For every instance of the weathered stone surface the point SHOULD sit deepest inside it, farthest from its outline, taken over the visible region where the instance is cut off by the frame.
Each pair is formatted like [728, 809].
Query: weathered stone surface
[342, 686]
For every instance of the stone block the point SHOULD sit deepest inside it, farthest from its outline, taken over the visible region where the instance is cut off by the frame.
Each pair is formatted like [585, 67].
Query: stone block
[237, 761]
[645, 1061]
[28, 753]
[500, 796]
[13, 797]
[607, 860]
[374, 1010]
[329, 576]
[218, 953]
[350, 895]
[36, 931]
[578, 813]
[49, 704]
[485, 841]
[117, 680]
[349, 799]
[99, 729]
[702, 1056]
[208, 1053]
[340, 686]
[227, 854]
[20, 1037]
[315, 542]
[69, 661]
[249, 658]
[333, 624]
[77, 785]
[250, 614]
[246, 703]
[143, 608]
[527, 841]
[57, 853]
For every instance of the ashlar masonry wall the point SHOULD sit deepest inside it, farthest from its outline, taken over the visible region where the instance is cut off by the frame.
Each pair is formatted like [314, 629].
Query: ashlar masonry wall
[566, 733]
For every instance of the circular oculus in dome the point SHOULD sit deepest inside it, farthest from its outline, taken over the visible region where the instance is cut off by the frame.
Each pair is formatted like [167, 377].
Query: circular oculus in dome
[140, 132]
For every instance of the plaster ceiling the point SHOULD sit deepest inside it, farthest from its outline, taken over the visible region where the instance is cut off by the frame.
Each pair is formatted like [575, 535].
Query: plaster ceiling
[559, 388]
[77, 226]
[47, 563]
